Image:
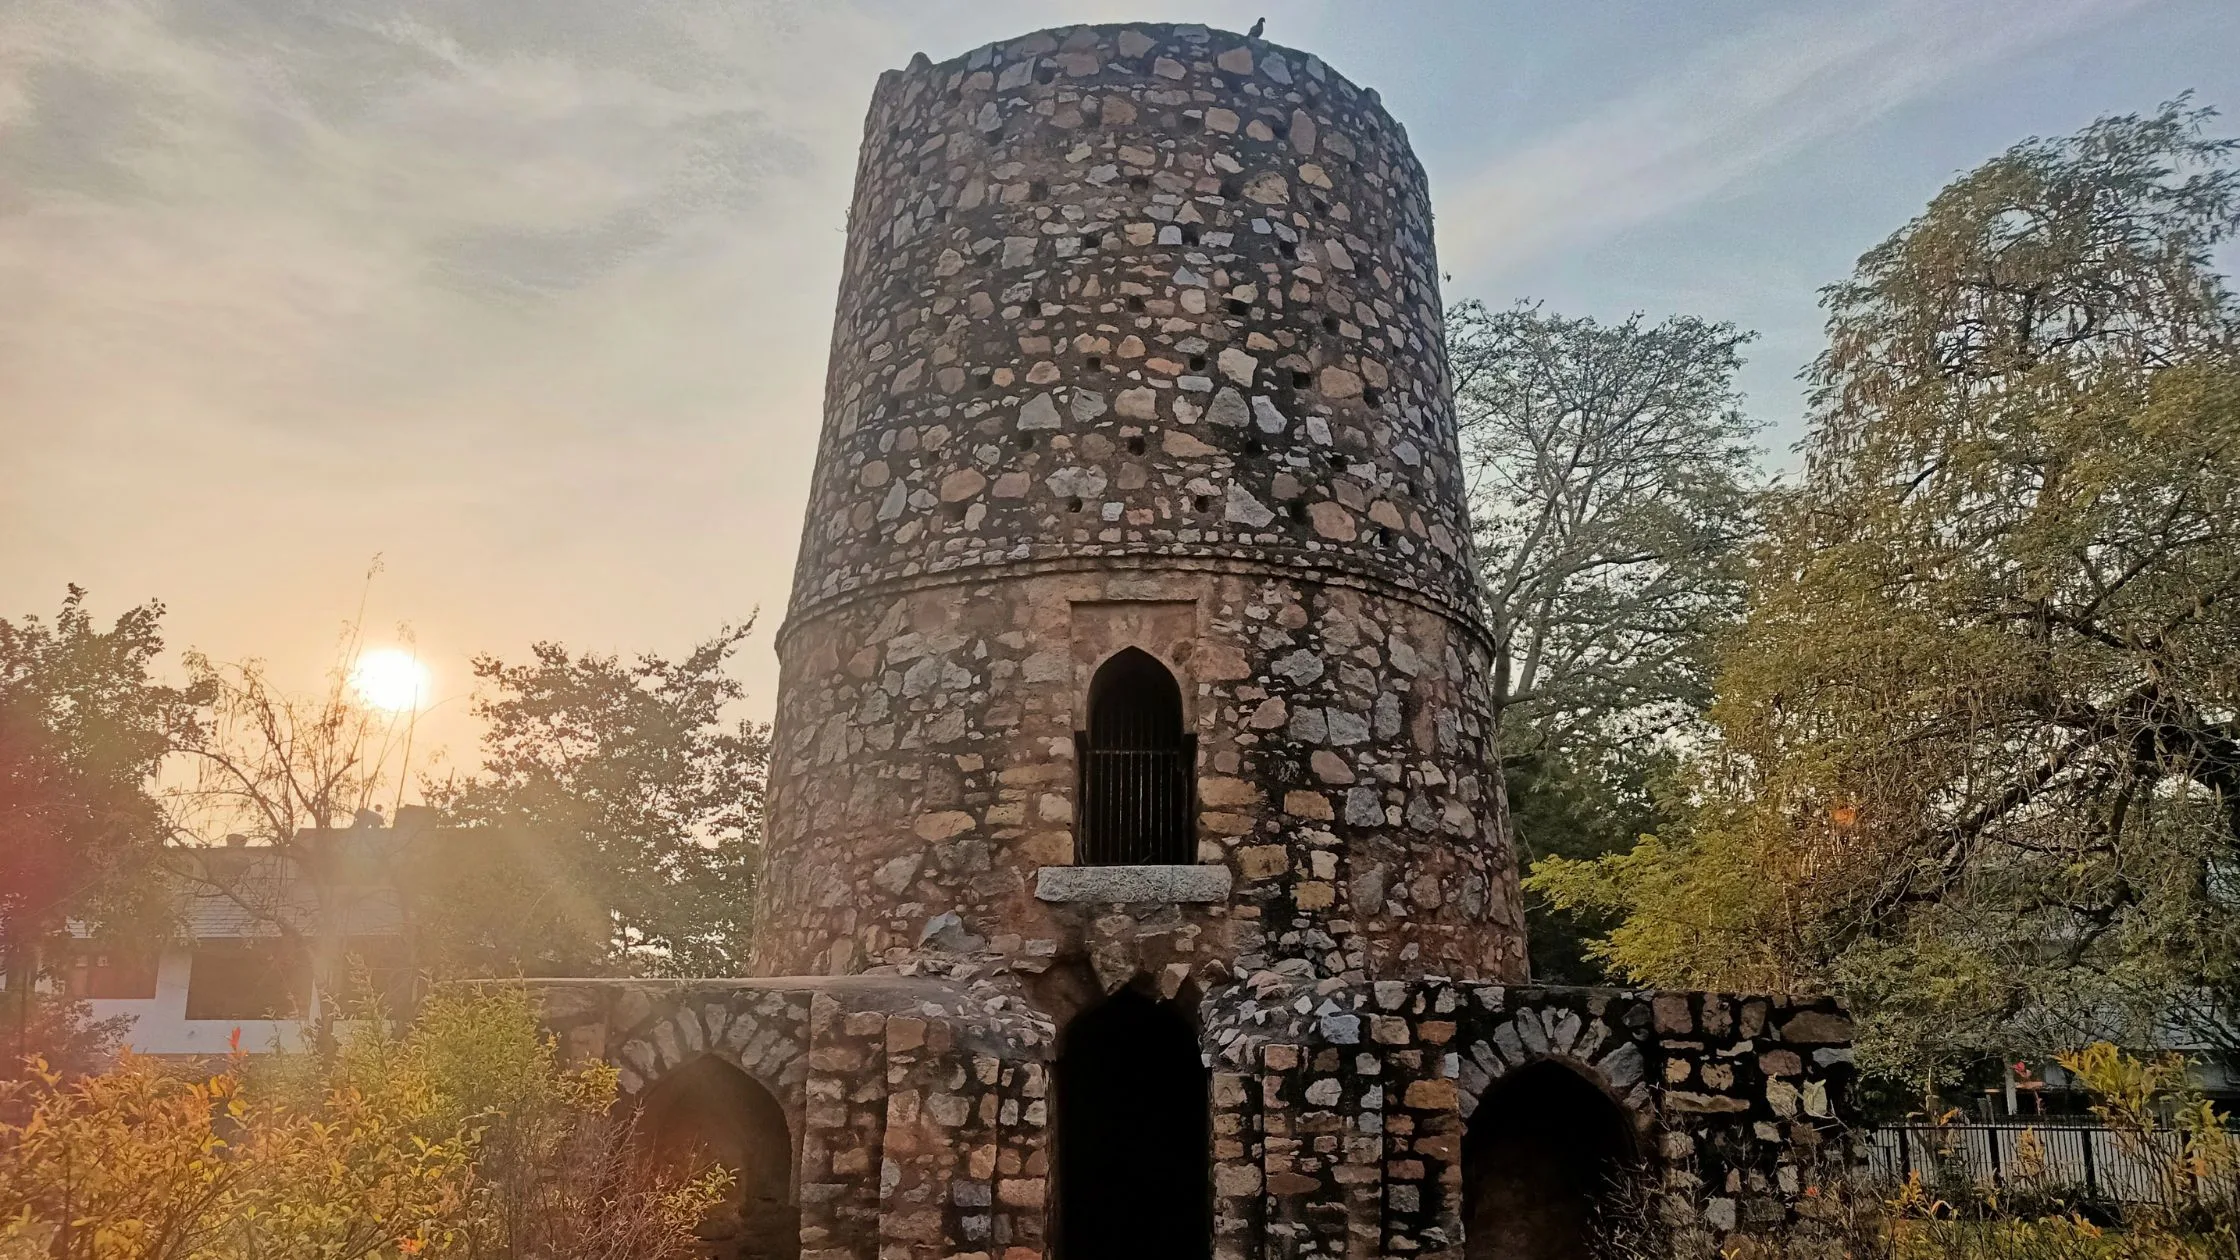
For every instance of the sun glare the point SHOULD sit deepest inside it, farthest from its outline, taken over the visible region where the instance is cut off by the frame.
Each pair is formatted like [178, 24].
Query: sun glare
[390, 678]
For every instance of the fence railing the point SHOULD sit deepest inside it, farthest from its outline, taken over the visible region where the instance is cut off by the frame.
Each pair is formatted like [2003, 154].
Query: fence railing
[2085, 1161]
[1135, 805]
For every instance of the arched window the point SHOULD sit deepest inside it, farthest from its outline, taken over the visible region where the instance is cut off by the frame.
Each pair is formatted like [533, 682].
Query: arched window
[1543, 1151]
[709, 1112]
[1138, 768]
[1133, 1135]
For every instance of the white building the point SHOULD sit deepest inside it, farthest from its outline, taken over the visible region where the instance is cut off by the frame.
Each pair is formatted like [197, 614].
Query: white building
[258, 927]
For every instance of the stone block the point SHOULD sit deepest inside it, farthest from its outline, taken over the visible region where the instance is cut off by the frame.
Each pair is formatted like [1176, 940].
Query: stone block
[1132, 884]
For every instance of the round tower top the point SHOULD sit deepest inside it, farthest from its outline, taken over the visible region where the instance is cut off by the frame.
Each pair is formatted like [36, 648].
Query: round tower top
[1136, 295]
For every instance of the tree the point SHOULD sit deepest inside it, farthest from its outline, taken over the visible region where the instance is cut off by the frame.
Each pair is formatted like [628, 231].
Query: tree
[1610, 479]
[293, 776]
[83, 726]
[1980, 764]
[614, 823]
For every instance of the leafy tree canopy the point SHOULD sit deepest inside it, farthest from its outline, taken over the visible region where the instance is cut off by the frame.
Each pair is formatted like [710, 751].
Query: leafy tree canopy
[1611, 481]
[1979, 766]
[83, 725]
[622, 811]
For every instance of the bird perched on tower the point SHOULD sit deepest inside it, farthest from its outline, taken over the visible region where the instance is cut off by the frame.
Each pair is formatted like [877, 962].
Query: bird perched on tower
[1257, 27]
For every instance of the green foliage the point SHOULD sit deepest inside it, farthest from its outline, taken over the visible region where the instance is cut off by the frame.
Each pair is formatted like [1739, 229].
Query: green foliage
[1561, 809]
[1977, 764]
[622, 816]
[462, 1137]
[82, 728]
[58, 1032]
[1611, 482]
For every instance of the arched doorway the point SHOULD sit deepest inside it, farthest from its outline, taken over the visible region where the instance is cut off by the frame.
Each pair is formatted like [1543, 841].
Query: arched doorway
[1543, 1150]
[1138, 767]
[709, 1112]
[1133, 1130]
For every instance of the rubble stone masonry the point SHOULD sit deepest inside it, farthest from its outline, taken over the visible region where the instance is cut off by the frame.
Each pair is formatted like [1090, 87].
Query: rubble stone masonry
[1139, 346]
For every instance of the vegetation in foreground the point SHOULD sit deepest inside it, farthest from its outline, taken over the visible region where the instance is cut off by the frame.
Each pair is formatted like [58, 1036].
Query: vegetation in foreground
[2157, 1116]
[462, 1137]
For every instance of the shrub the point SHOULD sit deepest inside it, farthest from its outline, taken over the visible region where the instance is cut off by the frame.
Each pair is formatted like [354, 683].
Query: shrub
[464, 1136]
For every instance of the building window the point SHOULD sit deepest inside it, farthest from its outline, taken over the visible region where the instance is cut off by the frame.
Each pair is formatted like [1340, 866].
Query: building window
[375, 977]
[1138, 783]
[99, 973]
[248, 979]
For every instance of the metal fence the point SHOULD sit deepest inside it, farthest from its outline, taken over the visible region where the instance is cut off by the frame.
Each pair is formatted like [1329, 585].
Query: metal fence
[2088, 1162]
[1136, 806]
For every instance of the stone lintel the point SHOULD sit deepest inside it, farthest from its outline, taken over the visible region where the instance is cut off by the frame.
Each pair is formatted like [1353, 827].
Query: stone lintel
[1132, 884]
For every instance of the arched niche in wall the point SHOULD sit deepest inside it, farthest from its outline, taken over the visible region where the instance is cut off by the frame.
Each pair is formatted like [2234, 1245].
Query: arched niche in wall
[1544, 1151]
[1137, 802]
[710, 1112]
[1133, 1134]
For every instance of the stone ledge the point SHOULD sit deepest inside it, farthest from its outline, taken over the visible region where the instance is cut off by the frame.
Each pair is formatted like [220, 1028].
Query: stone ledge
[1132, 883]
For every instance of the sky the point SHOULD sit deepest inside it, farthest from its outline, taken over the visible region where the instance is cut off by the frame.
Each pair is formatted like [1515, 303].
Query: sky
[530, 300]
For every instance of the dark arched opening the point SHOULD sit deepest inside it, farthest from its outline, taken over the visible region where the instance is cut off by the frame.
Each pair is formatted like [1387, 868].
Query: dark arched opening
[1133, 1130]
[1138, 767]
[709, 1112]
[1542, 1153]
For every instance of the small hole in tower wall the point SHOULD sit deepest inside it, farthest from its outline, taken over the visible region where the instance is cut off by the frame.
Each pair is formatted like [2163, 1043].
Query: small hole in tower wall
[1135, 303]
[1297, 511]
[1189, 233]
[1197, 363]
[1329, 323]
[1201, 504]
[1373, 396]
[1094, 362]
[1038, 191]
[1238, 306]
[1135, 446]
[1073, 505]
[1026, 441]
[1301, 380]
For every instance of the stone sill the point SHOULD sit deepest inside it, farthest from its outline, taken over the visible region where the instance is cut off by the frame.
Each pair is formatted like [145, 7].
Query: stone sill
[1132, 884]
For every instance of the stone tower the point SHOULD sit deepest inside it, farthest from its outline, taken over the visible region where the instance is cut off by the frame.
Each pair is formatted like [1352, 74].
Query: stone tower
[1138, 880]
[1138, 348]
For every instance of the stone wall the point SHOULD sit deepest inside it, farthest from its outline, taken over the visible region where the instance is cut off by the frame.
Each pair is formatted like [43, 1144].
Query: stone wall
[1138, 345]
[1341, 1114]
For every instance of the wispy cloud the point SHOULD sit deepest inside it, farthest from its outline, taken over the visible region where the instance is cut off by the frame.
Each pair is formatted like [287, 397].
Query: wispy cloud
[1732, 109]
[519, 294]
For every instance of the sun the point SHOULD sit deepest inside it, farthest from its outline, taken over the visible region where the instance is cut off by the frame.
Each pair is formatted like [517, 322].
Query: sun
[390, 678]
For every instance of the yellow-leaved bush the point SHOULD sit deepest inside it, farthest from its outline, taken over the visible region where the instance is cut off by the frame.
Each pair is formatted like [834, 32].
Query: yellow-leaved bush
[463, 1136]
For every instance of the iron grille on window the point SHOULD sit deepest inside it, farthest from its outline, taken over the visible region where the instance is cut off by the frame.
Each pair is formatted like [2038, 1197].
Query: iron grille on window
[1137, 793]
